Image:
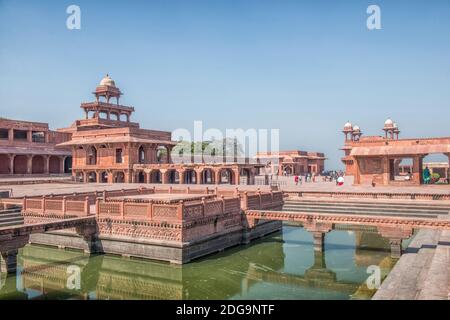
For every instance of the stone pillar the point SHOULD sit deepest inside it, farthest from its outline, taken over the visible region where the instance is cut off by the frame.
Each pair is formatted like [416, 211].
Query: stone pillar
[29, 136]
[11, 163]
[396, 247]
[164, 177]
[236, 175]
[217, 176]
[89, 234]
[29, 164]
[198, 177]
[8, 263]
[318, 229]
[181, 176]
[319, 241]
[148, 175]
[47, 164]
[11, 135]
[62, 161]
[395, 235]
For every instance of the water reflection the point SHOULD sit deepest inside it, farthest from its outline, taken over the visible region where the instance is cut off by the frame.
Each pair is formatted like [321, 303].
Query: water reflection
[282, 266]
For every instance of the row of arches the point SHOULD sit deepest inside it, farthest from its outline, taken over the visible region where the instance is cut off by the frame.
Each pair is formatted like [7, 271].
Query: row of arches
[170, 176]
[36, 164]
[92, 154]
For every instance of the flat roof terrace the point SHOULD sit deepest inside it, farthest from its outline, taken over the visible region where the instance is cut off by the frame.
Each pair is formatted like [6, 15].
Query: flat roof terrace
[164, 197]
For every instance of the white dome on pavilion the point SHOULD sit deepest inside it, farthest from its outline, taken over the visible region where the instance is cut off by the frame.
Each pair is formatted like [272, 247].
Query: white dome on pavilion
[107, 81]
[356, 128]
[348, 126]
[388, 123]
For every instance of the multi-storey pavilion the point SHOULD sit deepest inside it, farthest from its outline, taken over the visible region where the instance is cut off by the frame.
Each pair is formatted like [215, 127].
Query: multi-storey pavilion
[30, 148]
[294, 162]
[108, 147]
[379, 159]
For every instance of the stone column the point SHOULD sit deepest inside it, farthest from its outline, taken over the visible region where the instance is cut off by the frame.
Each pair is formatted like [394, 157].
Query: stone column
[319, 241]
[217, 176]
[30, 136]
[181, 176]
[29, 164]
[47, 164]
[318, 229]
[8, 263]
[11, 135]
[164, 176]
[236, 175]
[62, 161]
[148, 175]
[395, 235]
[198, 177]
[11, 163]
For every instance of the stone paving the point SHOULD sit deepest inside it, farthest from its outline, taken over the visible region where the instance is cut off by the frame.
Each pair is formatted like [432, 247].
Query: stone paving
[422, 273]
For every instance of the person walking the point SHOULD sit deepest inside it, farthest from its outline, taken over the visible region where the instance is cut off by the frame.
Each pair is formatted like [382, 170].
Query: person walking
[296, 180]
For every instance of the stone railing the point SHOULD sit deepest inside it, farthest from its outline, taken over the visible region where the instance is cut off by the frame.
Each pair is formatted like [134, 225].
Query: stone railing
[52, 207]
[170, 211]
[369, 195]
[262, 200]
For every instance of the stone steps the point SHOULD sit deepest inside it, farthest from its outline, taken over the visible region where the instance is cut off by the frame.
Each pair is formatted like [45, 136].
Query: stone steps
[408, 276]
[11, 217]
[436, 280]
[407, 205]
[372, 208]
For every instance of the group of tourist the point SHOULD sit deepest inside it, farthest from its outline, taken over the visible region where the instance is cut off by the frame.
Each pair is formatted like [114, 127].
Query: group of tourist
[307, 178]
[330, 176]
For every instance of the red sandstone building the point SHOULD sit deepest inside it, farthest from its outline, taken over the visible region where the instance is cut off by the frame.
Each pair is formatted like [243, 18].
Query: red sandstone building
[286, 163]
[29, 148]
[108, 147]
[380, 159]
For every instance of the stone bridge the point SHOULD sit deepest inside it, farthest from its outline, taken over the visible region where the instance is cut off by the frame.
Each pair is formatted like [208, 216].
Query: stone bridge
[15, 237]
[395, 228]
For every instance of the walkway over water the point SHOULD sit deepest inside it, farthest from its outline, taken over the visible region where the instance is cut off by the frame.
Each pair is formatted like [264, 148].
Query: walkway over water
[14, 237]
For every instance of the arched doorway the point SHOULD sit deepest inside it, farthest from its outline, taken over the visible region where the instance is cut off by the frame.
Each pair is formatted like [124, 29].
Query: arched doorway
[53, 165]
[208, 176]
[172, 176]
[226, 176]
[37, 164]
[91, 177]
[437, 165]
[91, 156]
[156, 176]
[4, 164]
[68, 165]
[140, 177]
[190, 177]
[119, 177]
[20, 164]
[104, 177]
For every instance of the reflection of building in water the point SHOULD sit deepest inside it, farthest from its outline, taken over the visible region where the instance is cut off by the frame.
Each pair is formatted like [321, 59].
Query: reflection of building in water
[45, 272]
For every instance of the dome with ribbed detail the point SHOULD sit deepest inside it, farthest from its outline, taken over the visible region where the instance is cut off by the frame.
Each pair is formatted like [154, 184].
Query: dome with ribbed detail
[107, 81]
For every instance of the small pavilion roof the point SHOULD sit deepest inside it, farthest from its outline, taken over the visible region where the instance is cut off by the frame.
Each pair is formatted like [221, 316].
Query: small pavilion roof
[400, 150]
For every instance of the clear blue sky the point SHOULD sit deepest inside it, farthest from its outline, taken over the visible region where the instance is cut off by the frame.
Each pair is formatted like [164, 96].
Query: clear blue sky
[305, 67]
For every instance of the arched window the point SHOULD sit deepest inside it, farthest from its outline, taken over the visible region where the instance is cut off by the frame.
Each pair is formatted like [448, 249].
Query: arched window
[92, 156]
[141, 154]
